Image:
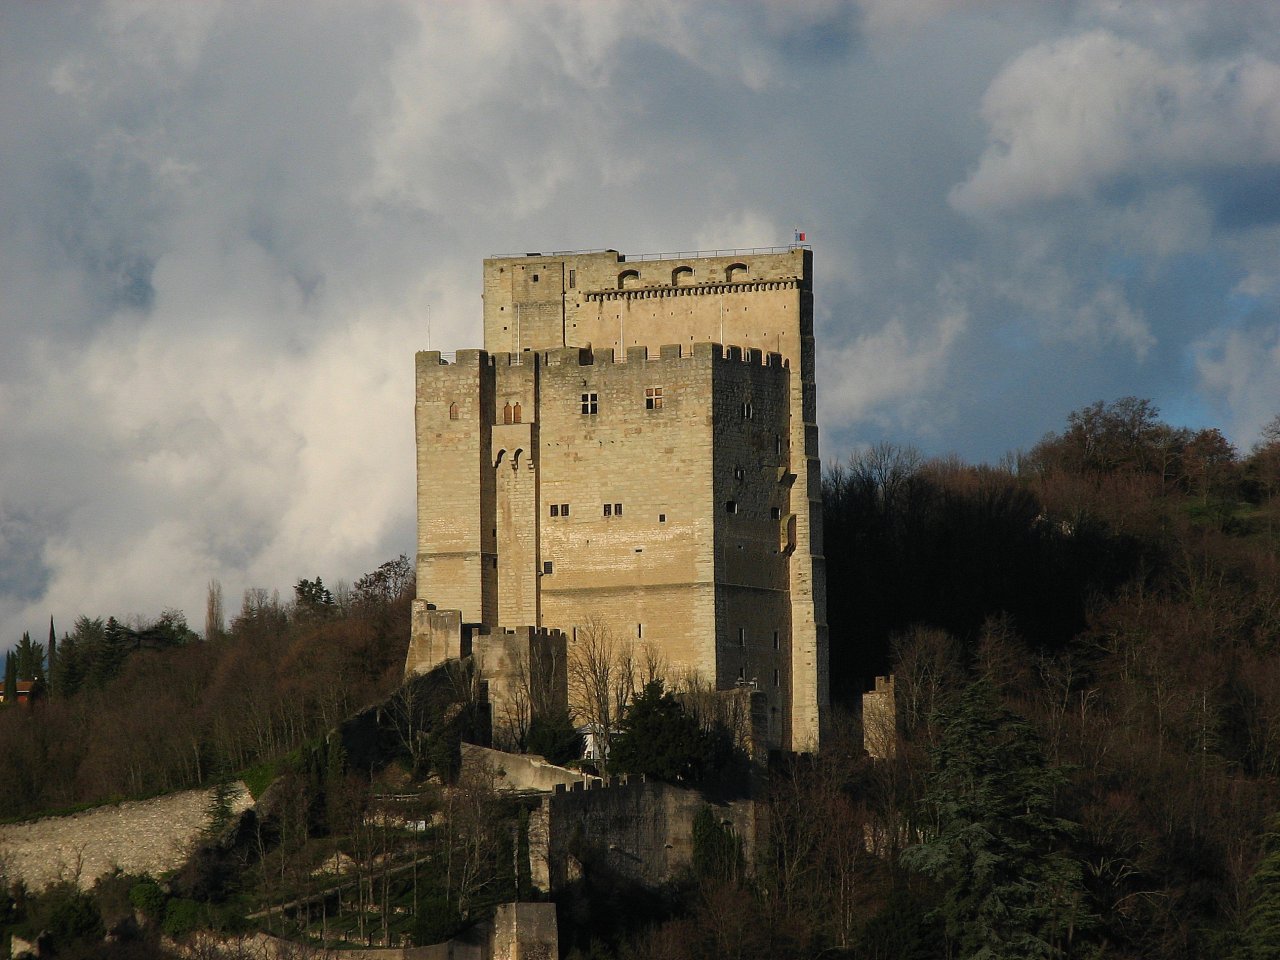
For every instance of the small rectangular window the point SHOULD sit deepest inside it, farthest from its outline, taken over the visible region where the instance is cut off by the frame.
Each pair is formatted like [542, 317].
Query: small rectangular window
[555, 509]
[731, 506]
[653, 398]
[535, 278]
[573, 279]
[775, 513]
[547, 567]
[739, 473]
[589, 403]
[617, 509]
[662, 518]
[608, 509]
[564, 509]
[742, 636]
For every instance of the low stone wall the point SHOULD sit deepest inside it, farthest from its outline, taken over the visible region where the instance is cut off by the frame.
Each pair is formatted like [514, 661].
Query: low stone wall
[520, 771]
[637, 829]
[138, 836]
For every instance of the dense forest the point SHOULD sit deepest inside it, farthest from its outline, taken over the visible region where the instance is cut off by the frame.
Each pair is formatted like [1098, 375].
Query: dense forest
[1086, 646]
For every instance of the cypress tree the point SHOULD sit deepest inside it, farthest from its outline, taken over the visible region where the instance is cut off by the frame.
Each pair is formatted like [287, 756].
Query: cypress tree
[51, 656]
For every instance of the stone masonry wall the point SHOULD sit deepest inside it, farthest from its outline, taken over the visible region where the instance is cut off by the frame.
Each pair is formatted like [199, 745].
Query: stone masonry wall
[138, 836]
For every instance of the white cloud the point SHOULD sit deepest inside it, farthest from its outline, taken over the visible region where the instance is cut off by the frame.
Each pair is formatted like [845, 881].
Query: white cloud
[1241, 372]
[1069, 116]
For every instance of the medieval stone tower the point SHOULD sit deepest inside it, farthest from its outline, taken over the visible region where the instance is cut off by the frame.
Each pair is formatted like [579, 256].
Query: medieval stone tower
[606, 460]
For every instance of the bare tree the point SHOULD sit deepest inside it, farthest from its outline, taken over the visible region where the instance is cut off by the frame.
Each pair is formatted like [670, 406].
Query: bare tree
[214, 621]
[601, 678]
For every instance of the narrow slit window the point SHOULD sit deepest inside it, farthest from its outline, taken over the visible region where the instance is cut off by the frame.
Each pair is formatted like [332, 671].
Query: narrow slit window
[742, 636]
[639, 631]
[653, 398]
[776, 639]
[775, 678]
[573, 279]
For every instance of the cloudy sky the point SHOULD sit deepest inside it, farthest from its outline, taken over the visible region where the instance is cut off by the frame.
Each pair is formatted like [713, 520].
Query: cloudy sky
[226, 227]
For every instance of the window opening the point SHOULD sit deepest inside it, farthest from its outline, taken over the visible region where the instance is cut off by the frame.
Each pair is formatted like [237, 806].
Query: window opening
[617, 509]
[742, 636]
[564, 509]
[535, 278]
[573, 279]
[662, 518]
[653, 398]
[739, 473]
[608, 509]
[547, 567]
[590, 404]
[748, 412]
[506, 413]
[555, 509]
[639, 631]
[775, 678]
[515, 413]
[775, 639]
[775, 513]
[453, 411]
[731, 506]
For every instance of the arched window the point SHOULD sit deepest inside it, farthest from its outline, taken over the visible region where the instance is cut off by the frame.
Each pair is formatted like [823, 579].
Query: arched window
[681, 276]
[735, 272]
[515, 413]
[628, 278]
[506, 413]
[515, 459]
[453, 411]
[498, 460]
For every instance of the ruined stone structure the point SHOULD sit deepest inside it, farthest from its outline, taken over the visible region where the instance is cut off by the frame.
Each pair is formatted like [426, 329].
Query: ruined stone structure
[606, 462]
[880, 719]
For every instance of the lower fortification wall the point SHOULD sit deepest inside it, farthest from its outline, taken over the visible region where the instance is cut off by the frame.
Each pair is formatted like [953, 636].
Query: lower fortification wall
[138, 836]
[637, 829]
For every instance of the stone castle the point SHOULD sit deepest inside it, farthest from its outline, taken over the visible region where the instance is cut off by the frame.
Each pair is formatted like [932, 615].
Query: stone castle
[635, 449]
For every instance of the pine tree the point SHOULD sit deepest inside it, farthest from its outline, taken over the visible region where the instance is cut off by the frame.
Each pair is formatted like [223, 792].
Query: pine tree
[1261, 937]
[1010, 889]
[29, 658]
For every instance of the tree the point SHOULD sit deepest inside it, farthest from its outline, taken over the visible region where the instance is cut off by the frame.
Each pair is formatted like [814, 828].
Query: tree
[1010, 889]
[601, 679]
[214, 618]
[658, 739]
[29, 659]
[52, 655]
[1260, 939]
[313, 597]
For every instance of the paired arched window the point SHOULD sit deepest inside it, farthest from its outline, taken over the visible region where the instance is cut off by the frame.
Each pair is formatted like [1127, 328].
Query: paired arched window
[515, 413]
[506, 413]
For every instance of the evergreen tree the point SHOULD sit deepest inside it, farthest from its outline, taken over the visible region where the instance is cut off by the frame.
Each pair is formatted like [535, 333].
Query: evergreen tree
[657, 738]
[68, 673]
[29, 658]
[1010, 889]
[51, 656]
[1261, 936]
[10, 679]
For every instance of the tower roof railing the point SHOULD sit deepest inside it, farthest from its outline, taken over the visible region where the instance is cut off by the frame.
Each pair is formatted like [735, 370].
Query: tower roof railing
[673, 255]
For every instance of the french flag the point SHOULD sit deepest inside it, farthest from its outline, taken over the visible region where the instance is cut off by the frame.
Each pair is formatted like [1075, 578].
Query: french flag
[799, 237]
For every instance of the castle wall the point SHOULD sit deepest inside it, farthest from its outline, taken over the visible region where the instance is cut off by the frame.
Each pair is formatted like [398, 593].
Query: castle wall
[633, 828]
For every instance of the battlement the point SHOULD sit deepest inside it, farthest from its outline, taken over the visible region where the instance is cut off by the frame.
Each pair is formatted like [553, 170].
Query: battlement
[588, 356]
[691, 290]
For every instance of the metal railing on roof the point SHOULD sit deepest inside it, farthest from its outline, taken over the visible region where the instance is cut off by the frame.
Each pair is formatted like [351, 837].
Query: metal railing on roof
[674, 255]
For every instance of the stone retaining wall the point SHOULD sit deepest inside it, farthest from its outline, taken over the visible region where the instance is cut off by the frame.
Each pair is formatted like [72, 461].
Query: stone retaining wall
[138, 836]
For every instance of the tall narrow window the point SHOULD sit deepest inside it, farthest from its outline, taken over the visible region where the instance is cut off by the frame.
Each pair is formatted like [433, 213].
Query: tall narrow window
[748, 411]
[590, 404]
[453, 411]
[776, 638]
[742, 636]
[555, 509]
[506, 413]
[617, 509]
[639, 631]
[608, 509]
[653, 398]
[515, 413]
[564, 509]
[573, 279]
